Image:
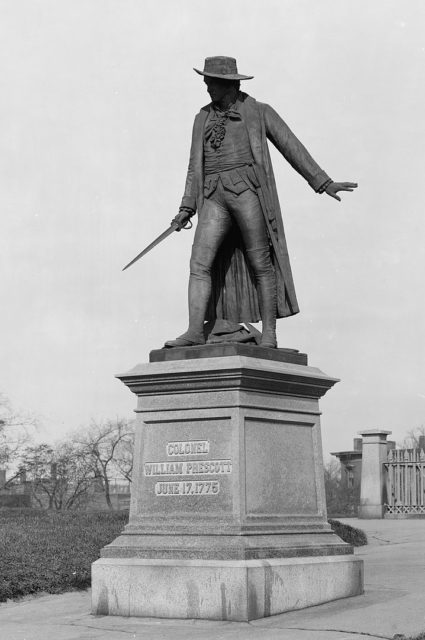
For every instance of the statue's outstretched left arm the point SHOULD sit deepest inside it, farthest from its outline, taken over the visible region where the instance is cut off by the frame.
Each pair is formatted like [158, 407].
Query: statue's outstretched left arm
[297, 155]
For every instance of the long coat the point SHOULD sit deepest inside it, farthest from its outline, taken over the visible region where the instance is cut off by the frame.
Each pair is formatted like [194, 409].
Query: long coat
[234, 294]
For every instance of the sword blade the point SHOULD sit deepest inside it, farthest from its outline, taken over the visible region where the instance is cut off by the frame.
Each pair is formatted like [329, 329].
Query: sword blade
[173, 227]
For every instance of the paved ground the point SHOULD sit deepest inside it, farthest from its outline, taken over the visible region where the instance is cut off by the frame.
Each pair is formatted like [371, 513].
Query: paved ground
[394, 603]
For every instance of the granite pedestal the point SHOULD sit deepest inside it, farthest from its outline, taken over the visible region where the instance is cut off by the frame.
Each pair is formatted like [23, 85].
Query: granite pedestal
[228, 515]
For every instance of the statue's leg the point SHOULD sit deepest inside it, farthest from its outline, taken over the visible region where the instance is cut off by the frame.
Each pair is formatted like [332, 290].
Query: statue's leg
[213, 225]
[248, 214]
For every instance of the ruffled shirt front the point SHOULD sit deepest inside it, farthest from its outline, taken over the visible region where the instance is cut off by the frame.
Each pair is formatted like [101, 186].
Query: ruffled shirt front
[226, 142]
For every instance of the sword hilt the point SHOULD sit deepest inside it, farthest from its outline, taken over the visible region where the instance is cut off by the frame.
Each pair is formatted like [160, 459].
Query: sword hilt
[187, 225]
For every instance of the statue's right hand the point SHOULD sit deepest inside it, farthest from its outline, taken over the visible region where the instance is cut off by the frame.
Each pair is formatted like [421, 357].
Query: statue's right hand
[183, 218]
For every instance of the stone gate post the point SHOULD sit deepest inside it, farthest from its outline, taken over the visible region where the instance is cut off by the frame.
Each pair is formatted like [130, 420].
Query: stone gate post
[373, 485]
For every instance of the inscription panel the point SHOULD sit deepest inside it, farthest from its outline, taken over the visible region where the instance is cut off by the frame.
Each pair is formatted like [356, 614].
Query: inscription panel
[187, 474]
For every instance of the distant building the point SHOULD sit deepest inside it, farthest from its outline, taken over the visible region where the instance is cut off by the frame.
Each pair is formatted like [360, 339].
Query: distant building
[351, 463]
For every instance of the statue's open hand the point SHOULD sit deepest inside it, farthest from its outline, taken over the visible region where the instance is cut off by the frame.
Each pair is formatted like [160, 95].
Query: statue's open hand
[333, 188]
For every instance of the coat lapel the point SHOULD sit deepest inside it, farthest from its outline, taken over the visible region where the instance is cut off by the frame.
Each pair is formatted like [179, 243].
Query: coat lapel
[249, 110]
[198, 154]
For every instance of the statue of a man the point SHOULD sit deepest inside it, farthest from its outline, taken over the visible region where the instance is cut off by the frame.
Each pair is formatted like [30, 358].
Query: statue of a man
[239, 268]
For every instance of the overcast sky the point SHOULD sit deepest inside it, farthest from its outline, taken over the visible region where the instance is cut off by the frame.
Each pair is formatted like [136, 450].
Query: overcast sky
[98, 100]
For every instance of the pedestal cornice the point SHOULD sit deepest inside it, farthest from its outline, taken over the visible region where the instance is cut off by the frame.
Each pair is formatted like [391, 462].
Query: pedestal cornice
[227, 373]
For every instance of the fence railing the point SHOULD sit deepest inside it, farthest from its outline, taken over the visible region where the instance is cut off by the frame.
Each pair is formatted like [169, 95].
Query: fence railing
[405, 481]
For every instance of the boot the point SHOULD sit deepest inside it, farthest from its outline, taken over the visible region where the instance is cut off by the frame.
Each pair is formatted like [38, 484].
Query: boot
[199, 295]
[187, 339]
[268, 338]
[268, 317]
[266, 288]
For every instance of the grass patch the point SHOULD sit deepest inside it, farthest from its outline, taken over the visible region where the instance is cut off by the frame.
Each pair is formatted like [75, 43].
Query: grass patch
[51, 551]
[349, 534]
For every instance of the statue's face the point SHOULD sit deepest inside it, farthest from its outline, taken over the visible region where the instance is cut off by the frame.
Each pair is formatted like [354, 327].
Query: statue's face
[217, 88]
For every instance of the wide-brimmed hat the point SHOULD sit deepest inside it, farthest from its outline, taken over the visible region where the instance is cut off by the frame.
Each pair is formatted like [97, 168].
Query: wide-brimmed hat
[222, 67]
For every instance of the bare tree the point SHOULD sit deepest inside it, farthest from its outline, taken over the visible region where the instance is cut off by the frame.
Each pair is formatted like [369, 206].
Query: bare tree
[124, 455]
[16, 432]
[79, 474]
[59, 476]
[340, 499]
[415, 438]
[108, 445]
[37, 460]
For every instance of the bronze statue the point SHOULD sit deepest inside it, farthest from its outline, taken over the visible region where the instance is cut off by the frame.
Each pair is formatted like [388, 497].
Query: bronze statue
[239, 268]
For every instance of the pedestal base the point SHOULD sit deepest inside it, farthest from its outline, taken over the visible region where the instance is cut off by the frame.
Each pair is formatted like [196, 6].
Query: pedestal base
[221, 590]
[228, 515]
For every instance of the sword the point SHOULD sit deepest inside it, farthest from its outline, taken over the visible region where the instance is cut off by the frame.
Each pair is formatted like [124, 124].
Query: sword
[174, 226]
